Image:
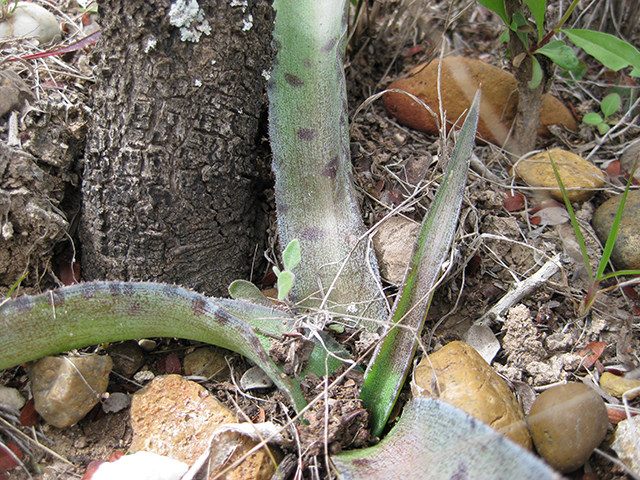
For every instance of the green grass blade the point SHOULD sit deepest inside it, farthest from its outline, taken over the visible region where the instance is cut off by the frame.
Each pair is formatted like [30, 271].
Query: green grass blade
[613, 234]
[619, 273]
[392, 359]
[574, 220]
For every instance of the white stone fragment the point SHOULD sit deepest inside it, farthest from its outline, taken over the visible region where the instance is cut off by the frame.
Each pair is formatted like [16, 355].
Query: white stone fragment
[150, 44]
[29, 20]
[141, 466]
[255, 378]
[10, 397]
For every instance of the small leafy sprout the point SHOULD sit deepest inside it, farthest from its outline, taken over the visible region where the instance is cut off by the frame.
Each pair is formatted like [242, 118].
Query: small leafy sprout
[594, 287]
[290, 257]
[609, 50]
[14, 287]
[608, 107]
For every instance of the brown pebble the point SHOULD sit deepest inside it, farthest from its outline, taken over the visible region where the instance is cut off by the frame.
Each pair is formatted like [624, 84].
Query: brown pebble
[567, 423]
[579, 177]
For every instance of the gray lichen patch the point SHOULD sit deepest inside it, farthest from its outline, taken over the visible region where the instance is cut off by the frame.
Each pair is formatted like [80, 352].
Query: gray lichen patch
[188, 15]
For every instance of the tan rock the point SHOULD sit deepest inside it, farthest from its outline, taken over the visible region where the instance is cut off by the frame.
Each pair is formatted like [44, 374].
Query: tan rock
[580, 177]
[65, 389]
[460, 78]
[175, 417]
[14, 92]
[231, 446]
[393, 244]
[626, 250]
[617, 386]
[458, 375]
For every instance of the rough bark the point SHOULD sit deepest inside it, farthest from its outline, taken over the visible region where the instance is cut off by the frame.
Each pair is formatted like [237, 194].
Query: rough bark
[525, 126]
[172, 174]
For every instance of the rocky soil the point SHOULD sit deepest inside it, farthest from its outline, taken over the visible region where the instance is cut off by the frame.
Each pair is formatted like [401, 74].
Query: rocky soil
[508, 232]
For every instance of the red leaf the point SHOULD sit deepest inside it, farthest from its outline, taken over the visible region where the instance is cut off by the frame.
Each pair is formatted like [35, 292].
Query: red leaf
[411, 51]
[7, 461]
[117, 455]
[616, 416]
[91, 469]
[473, 265]
[86, 19]
[269, 279]
[80, 44]
[514, 202]
[170, 364]
[28, 416]
[591, 353]
[630, 292]
[613, 169]
[634, 180]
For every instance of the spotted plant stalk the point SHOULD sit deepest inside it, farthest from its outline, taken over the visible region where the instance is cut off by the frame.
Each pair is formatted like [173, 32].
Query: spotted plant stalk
[99, 312]
[311, 160]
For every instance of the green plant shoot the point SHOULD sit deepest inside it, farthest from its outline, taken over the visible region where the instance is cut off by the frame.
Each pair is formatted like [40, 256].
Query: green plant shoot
[609, 50]
[608, 107]
[291, 258]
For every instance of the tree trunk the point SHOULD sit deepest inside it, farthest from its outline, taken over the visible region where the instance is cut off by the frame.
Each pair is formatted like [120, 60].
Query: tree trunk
[525, 130]
[172, 175]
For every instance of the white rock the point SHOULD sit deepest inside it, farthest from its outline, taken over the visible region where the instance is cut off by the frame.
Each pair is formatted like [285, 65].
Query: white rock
[394, 245]
[626, 442]
[10, 397]
[29, 20]
[141, 466]
[255, 378]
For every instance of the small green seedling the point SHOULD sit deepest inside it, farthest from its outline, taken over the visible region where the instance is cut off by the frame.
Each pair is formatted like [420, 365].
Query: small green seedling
[610, 105]
[594, 287]
[609, 50]
[15, 286]
[290, 257]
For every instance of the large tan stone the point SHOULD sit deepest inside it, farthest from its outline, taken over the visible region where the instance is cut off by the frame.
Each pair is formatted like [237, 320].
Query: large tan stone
[580, 177]
[460, 79]
[567, 422]
[177, 418]
[458, 375]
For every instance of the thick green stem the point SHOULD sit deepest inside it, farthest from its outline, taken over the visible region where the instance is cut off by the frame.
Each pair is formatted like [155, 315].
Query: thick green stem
[94, 313]
[311, 161]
